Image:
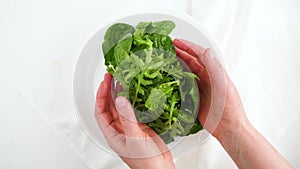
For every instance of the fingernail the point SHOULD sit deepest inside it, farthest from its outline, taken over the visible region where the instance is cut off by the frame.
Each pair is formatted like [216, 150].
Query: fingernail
[121, 102]
[209, 54]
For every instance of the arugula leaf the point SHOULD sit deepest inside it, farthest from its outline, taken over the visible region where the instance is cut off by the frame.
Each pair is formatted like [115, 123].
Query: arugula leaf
[156, 101]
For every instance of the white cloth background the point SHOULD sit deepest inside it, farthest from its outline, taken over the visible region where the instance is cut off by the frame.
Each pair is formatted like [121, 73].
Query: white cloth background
[259, 40]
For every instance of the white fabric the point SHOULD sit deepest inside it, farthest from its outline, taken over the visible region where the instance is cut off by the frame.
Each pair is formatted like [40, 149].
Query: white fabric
[258, 39]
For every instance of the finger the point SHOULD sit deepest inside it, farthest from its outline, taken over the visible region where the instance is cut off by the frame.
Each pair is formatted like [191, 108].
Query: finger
[103, 93]
[189, 60]
[218, 93]
[153, 135]
[127, 117]
[195, 67]
[113, 89]
[213, 66]
[191, 48]
[102, 115]
[118, 87]
[105, 124]
[112, 94]
[162, 146]
[211, 62]
[110, 132]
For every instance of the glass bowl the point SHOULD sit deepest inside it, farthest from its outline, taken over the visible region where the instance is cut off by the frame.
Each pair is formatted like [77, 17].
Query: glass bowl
[90, 69]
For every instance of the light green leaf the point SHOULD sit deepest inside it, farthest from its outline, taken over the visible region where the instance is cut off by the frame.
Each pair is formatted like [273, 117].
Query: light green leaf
[156, 101]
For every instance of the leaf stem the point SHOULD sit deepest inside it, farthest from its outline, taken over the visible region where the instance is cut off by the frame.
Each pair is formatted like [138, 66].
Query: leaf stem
[137, 90]
[171, 113]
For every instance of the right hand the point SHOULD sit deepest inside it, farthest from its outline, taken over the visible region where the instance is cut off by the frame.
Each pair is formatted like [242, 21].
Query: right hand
[221, 111]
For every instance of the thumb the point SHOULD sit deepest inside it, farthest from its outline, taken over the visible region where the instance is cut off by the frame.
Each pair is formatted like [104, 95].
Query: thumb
[127, 117]
[217, 76]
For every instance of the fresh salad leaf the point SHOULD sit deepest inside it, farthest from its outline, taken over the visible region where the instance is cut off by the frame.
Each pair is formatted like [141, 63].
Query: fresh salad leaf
[143, 59]
[163, 27]
[156, 101]
[117, 44]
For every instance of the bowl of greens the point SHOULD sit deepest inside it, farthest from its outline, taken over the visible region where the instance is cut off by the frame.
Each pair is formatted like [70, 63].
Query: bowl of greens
[137, 51]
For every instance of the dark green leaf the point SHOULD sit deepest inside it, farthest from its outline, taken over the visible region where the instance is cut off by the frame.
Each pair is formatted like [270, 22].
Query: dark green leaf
[163, 27]
[156, 101]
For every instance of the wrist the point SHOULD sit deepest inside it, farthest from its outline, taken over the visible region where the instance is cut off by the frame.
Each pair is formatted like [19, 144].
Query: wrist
[234, 131]
[234, 137]
[249, 149]
[149, 163]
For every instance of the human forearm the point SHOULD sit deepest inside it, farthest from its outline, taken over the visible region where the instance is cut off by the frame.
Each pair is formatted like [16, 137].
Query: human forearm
[249, 149]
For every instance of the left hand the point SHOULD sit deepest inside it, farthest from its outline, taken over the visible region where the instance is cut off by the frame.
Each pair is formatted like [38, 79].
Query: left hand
[137, 144]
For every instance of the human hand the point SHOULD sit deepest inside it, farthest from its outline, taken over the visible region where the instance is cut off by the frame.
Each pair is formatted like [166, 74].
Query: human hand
[137, 144]
[221, 111]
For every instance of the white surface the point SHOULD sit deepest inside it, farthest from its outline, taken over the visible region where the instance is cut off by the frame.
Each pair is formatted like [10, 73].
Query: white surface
[41, 39]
